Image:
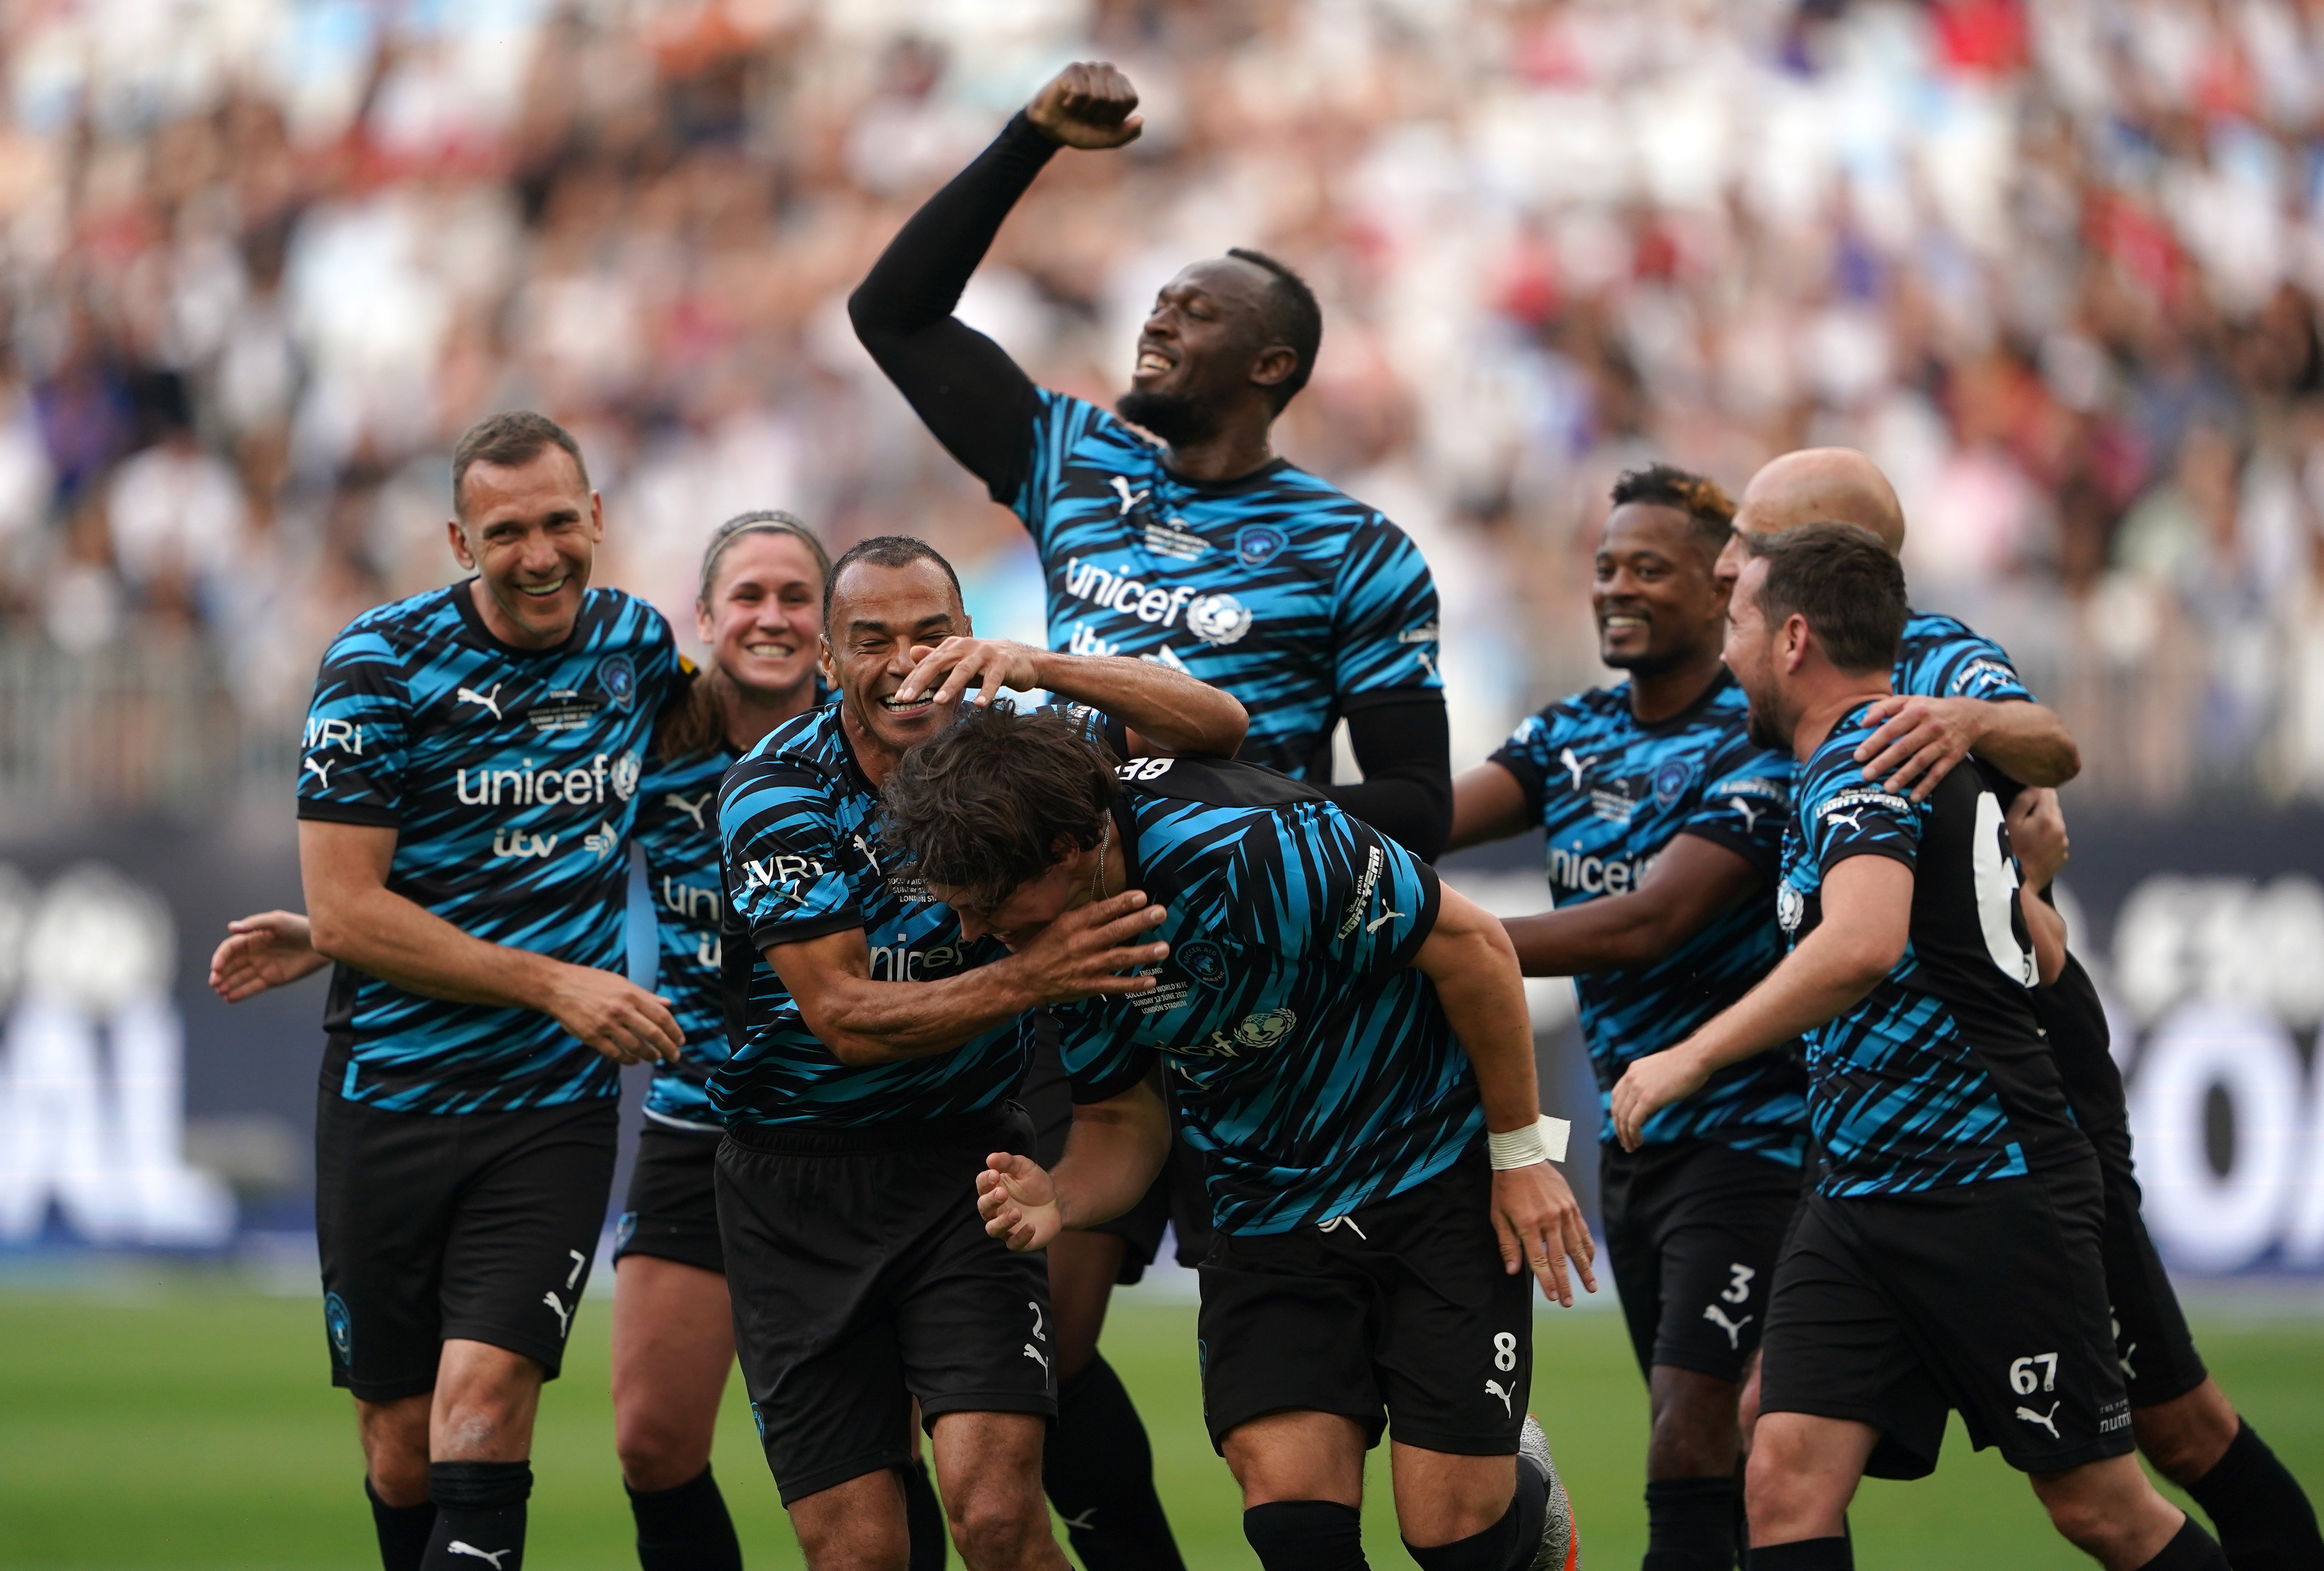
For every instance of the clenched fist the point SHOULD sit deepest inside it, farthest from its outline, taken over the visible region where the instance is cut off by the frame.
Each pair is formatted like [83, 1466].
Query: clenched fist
[1087, 106]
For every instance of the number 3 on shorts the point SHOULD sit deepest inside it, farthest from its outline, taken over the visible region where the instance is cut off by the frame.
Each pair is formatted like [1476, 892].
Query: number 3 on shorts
[1504, 1351]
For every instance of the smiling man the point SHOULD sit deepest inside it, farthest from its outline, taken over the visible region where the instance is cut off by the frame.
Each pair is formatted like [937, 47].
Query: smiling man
[1663, 826]
[1206, 553]
[1946, 1151]
[470, 772]
[876, 1048]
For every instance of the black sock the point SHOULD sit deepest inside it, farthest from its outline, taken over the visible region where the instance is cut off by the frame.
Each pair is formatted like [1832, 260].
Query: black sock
[924, 1517]
[2264, 1519]
[685, 1528]
[1508, 1545]
[2190, 1548]
[1805, 1555]
[1305, 1535]
[1099, 1471]
[402, 1530]
[1690, 1524]
[479, 1515]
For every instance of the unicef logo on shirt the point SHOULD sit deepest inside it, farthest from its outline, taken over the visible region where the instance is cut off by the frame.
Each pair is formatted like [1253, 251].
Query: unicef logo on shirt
[626, 770]
[1255, 544]
[1218, 619]
[339, 1327]
[1264, 1030]
[1203, 961]
[618, 677]
[1790, 907]
[1671, 779]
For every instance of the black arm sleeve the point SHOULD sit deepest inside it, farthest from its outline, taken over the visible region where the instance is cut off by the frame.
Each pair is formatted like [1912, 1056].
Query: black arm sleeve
[974, 397]
[1404, 748]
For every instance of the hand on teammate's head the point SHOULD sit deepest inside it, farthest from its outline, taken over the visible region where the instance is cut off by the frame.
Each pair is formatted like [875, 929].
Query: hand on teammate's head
[1087, 106]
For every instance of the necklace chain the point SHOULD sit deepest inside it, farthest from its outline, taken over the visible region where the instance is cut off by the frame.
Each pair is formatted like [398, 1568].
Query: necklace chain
[1097, 874]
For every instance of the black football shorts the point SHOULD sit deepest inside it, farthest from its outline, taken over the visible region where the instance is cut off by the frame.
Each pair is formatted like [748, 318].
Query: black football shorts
[2154, 1347]
[1986, 1299]
[672, 1209]
[1398, 1314]
[475, 1225]
[1692, 1230]
[862, 1277]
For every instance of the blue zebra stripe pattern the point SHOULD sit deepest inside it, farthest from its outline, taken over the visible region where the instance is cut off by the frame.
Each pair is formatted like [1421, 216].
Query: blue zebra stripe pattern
[1612, 793]
[510, 778]
[1314, 1067]
[1279, 588]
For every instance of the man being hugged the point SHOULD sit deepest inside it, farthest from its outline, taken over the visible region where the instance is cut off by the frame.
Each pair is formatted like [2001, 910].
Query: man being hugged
[877, 1045]
[1948, 1256]
[1339, 1033]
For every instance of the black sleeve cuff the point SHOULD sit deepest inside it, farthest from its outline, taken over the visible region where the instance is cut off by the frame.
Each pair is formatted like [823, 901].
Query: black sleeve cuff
[1432, 905]
[361, 813]
[1903, 853]
[1528, 778]
[1141, 1065]
[1763, 858]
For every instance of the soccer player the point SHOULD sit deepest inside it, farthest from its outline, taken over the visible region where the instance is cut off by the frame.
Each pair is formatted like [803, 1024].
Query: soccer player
[876, 1051]
[1948, 1255]
[470, 773]
[1956, 693]
[1664, 826]
[1207, 553]
[1341, 1033]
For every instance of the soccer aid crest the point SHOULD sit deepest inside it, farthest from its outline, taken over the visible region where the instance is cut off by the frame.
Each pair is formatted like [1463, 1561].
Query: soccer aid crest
[619, 679]
[339, 1328]
[1255, 544]
[1790, 907]
[1203, 961]
[1671, 779]
[1218, 619]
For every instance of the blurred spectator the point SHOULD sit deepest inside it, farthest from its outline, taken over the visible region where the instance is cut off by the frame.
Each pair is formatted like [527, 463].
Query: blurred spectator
[2055, 266]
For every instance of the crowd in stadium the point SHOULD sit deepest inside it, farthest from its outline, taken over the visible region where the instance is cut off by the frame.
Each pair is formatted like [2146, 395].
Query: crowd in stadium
[2055, 267]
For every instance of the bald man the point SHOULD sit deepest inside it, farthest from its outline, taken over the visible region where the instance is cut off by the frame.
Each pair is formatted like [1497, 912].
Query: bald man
[1958, 695]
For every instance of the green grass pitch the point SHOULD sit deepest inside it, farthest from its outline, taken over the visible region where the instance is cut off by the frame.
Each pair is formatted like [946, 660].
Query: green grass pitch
[191, 1426]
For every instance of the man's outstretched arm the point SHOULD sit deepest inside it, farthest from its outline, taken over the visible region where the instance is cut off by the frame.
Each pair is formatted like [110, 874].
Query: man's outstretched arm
[972, 395]
[1867, 919]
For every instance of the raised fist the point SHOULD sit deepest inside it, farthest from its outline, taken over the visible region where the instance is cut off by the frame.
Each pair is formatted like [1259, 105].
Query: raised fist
[1087, 106]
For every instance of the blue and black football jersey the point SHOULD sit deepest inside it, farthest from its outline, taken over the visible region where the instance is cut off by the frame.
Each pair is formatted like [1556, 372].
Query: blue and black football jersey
[1277, 587]
[510, 779]
[802, 858]
[677, 829]
[1612, 792]
[1941, 1075]
[1942, 658]
[1314, 1069]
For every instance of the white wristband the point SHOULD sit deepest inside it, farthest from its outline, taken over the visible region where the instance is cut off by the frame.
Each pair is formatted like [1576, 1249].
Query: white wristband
[1543, 1140]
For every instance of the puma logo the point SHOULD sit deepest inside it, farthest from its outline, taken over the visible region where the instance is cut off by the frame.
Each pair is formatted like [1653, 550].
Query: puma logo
[1373, 925]
[1573, 765]
[1037, 1355]
[1121, 490]
[1495, 1388]
[322, 771]
[692, 810]
[1084, 1523]
[564, 1314]
[1734, 1329]
[1750, 814]
[2047, 1421]
[1847, 819]
[491, 701]
[459, 1546]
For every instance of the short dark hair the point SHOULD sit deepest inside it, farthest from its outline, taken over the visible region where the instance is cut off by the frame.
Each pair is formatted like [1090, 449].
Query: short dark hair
[886, 550]
[1289, 315]
[981, 807]
[513, 437]
[1708, 508]
[1843, 580]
